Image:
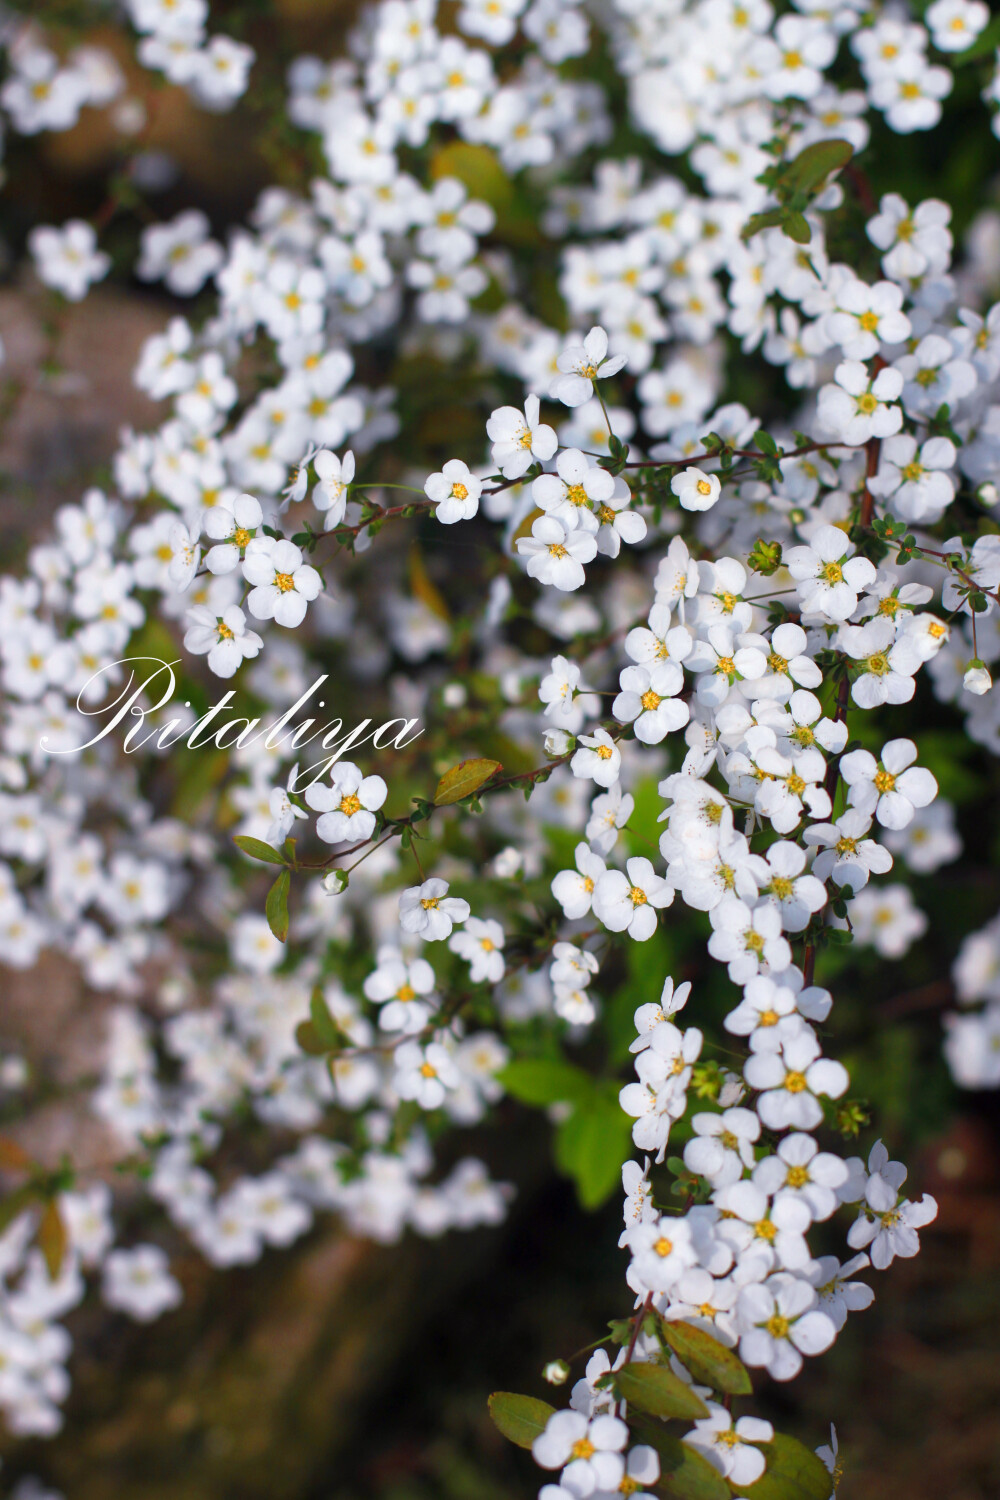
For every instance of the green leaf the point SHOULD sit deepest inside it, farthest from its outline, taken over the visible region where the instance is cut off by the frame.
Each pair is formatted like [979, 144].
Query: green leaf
[463, 779]
[276, 906]
[684, 1473]
[710, 1362]
[793, 1473]
[756, 222]
[52, 1239]
[543, 1080]
[764, 441]
[796, 226]
[519, 1418]
[257, 849]
[813, 166]
[323, 1023]
[591, 1146]
[309, 1040]
[658, 1391]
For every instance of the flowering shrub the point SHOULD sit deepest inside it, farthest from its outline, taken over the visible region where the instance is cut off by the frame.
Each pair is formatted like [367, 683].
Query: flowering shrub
[364, 823]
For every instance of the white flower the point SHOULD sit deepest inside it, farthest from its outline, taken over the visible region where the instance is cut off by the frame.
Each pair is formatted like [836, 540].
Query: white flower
[138, 1282]
[892, 788]
[455, 491]
[887, 1224]
[68, 258]
[519, 438]
[779, 1323]
[574, 889]
[791, 1080]
[598, 758]
[581, 365]
[555, 555]
[662, 1250]
[695, 489]
[232, 524]
[334, 477]
[888, 919]
[282, 583]
[424, 1074]
[722, 1145]
[429, 912]
[569, 494]
[886, 663]
[591, 1449]
[224, 637]
[866, 316]
[481, 945]
[829, 576]
[857, 408]
[955, 24]
[800, 1170]
[608, 813]
[648, 700]
[629, 903]
[348, 805]
[400, 988]
[727, 1443]
[848, 857]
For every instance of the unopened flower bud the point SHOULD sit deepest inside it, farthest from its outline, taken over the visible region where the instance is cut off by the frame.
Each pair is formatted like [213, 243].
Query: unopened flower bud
[556, 1372]
[988, 493]
[335, 882]
[557, 742]
[977, 678]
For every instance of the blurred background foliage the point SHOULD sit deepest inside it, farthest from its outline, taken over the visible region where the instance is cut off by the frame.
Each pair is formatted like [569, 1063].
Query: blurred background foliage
[339, 1371]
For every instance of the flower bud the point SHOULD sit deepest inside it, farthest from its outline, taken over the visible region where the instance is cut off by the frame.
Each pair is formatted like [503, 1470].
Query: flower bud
[556, 1372]
[557, 742]
[977, 679]
[988, 493]
[335, 882]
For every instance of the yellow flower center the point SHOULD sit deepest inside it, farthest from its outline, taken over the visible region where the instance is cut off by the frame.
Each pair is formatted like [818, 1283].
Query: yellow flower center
[797, 1177]
[223, 631]
[576, 494]
[650, 700]
[765, 1230]
[459, 492]
[427, 1071]
[726, 664]
[241, 536]
[663, 1246]
[604, 752]
[406, 992]
[428, 902]
[884, 781]
[846, 845]
[777, 663]
[795, 784]
[782, 887]
[777, 1326]
[350, 804]
[878, 664]
[284, 582]
[768, 1018]
[703, 487]
[795, 1083]
[868, 321]
[557, 549]
[636, 896]
[867, 403]
[833, 573]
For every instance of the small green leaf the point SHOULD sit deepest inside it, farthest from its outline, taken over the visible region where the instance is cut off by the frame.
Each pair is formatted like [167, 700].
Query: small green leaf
[756, 222]
[276, 906]
[813, 166]
[710, 1362]
[257, 849]
[793, 1473]
[52, 1239]
[796, 226]
[468, 776]
[684, 1473]
[764, 441]
[323, 1023]
[658, 1391]
[309, 1040]
[519, 1418]
[543, 1080]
